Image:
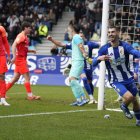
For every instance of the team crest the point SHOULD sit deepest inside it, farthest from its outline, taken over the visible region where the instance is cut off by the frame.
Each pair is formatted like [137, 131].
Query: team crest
[121, 51]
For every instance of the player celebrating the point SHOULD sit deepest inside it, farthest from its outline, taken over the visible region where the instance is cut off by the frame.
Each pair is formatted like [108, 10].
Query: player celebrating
[20, 50]
[86, 75]
[4, 46]
[116, 56]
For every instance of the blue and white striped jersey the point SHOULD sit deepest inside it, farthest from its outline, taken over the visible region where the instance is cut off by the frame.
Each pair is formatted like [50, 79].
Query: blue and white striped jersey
[118, 66]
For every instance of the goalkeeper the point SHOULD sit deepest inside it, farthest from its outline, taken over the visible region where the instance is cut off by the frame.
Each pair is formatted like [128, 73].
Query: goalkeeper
[86, 75]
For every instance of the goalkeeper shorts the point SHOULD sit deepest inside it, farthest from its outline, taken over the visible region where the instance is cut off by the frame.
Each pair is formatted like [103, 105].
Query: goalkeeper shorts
[77, 68]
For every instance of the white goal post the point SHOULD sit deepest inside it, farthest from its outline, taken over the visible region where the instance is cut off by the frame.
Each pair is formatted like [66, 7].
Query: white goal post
[105, 18]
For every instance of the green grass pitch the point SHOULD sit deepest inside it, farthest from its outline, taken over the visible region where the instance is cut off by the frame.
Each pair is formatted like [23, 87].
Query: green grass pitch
[52, 118]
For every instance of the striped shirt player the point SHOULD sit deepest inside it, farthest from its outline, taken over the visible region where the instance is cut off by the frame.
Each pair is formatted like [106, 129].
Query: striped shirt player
[118, 65]
[116, 56]
[4, 49]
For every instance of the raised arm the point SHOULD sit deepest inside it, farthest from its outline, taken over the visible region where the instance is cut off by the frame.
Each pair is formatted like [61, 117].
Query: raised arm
[56, 42]
[5, 42]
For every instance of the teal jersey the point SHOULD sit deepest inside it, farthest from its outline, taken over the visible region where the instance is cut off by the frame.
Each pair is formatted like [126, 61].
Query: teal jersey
[76, 52]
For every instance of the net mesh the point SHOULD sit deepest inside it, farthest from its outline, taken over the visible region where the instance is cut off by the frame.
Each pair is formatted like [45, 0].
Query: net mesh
[126, 15]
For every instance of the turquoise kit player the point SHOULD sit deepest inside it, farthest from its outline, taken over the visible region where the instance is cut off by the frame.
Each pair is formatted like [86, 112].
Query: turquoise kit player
[116, 56]
[86, 75]
[78, 56]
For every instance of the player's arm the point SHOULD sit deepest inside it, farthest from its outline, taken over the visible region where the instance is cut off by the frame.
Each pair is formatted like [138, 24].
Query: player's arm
[101, 57]
[14, 51]
[56, 42]
[82, 50]
[32, 51]
[132, 51]
[7, 48]
[6, 44]
[93, 45]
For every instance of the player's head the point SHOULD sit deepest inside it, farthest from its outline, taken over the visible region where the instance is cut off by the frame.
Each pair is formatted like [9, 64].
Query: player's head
[73, 28]
[81, 34]
[113, 33]
[26, 27]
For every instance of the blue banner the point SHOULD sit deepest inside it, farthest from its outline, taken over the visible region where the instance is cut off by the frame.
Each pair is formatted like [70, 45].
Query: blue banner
[47, 64]
[47, 70]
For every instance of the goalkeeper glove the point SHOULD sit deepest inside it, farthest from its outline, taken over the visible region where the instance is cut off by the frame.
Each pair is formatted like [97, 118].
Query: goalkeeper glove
[67, 70]
[89, 60]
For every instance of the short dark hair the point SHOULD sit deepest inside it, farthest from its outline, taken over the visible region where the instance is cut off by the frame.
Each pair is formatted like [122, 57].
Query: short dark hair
[75, 26]
[25, 24]
[113, 26]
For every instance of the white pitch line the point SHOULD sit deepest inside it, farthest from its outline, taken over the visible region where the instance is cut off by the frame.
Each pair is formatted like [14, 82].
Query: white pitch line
[111, 109]
[45, 113]
[118, 110]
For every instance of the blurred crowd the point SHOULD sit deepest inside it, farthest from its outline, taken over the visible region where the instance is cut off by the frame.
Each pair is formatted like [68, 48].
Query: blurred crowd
[42, 14]
[88, 14]
[126, 15]
[122, 13]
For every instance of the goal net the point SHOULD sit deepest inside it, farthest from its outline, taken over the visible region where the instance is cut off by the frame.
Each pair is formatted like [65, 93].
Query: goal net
[126, 15]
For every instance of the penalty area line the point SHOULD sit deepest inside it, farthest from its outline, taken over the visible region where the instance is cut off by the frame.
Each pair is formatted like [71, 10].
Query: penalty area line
[45, 113]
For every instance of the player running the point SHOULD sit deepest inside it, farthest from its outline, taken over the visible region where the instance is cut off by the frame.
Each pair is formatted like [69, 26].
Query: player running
[116, 56]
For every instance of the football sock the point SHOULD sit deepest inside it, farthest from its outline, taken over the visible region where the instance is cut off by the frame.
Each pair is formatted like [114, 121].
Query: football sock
[124, 105]
[28, 88]
[91, 87]
[2, 88]
[91, 97]
[83, 96]
[87, 86]
[137, 114]
[76, 88]
[8, 86]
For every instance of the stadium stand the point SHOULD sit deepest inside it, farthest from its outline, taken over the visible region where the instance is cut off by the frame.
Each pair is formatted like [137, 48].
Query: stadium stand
[56, 14]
